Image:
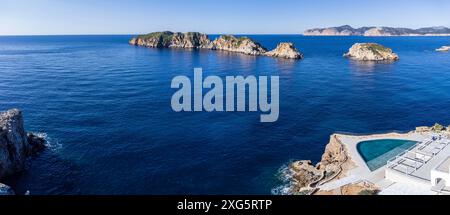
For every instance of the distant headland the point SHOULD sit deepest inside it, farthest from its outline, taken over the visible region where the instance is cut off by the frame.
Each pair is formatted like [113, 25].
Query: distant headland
[347, 30]
[229, 43]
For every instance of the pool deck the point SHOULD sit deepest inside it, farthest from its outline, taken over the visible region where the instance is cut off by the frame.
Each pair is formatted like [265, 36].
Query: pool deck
[351, 142]
[378, 177]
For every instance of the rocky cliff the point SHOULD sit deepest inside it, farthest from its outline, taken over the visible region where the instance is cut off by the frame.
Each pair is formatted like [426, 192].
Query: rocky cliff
[285, 50]
[242, 45]
[334, 164]
[15, 144]
[167, 39]
[371, 52]
[347, 30]
[229, 43]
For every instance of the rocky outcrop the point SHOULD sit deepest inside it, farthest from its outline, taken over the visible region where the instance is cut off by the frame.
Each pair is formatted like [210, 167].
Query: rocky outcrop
[436, 128]
[443, 49]
[229, 43]
[242, 45]
[334, 164]
[347, 30]
[285, 50]
[5, 190]
[371, 52]
[167, 39]
[15, 144]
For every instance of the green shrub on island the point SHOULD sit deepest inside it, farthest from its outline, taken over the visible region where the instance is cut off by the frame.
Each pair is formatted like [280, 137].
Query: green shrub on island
[378, 48]
[164, 36]
[438, 127]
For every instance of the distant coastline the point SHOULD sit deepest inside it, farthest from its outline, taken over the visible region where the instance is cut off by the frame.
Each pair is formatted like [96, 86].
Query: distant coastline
[347, 30]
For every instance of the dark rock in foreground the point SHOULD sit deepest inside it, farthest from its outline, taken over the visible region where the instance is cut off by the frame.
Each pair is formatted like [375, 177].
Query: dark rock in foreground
[15, 144]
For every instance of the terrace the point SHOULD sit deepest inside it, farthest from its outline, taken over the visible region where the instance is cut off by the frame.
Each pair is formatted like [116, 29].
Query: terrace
[423, 163]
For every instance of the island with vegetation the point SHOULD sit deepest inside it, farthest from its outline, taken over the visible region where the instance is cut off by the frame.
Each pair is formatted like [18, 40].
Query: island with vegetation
[371, 52]
[229, 43]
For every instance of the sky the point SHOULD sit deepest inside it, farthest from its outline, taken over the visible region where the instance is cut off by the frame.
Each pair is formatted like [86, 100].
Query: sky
[71, 17]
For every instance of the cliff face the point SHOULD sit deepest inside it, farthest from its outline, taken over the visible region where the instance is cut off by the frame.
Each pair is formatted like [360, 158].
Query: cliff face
[347, 30]
[285, 50]
[242, 45]
[15, 144]
[229, 43]
[371, 52]
[334, 164]
[169, 39]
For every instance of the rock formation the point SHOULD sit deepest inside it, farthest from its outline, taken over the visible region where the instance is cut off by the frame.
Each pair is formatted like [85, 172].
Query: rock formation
[15, 144]
[443, 49]
[5, 190]
[371, 52]
[347, 30]
[167, 39]
[334, 165]
[242, 45]
[285, 50]
[229, 43]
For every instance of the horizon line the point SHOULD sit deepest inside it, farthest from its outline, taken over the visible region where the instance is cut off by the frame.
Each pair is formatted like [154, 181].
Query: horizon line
[24, 35]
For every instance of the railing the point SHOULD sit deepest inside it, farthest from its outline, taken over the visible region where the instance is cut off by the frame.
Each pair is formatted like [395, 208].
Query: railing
[391, 163]
[395, 160]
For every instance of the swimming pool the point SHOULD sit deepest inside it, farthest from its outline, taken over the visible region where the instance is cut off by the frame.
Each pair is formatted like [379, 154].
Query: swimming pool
[376, 153]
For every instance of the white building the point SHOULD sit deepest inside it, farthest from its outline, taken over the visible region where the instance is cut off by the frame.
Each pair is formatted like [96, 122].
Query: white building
[440, 176]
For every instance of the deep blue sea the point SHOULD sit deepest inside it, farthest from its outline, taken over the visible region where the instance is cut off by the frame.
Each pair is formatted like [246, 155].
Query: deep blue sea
[105, 107]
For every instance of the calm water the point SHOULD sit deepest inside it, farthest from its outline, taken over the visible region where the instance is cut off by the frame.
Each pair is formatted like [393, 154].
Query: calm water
[105, 106]
[377, 152]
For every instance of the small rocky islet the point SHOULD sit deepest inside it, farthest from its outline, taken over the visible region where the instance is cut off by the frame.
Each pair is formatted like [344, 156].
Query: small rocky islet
[229, 43]
[16, 146]
[371, 52]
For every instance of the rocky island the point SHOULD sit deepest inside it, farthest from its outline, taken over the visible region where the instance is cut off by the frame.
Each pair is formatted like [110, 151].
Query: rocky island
[371, 52]
[285, 50]
[16, 146]
[443, 49]
[229, 43]
[347, 30]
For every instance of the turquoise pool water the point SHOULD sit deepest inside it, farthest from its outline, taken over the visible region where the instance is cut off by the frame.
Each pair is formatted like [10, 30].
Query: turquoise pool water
[376, 153]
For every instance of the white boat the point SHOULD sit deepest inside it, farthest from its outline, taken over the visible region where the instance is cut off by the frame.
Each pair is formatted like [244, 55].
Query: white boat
[443, 49]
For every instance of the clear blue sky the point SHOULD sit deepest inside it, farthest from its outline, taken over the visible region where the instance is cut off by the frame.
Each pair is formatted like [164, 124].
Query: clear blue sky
[22, 17]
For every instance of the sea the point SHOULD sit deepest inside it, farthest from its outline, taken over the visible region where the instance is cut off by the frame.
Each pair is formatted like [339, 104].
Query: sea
[105, 109]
